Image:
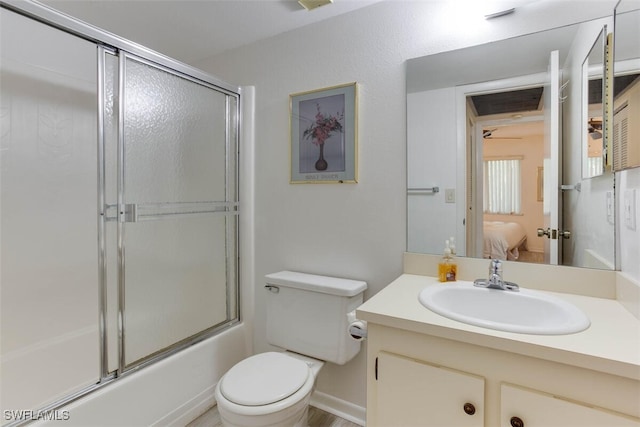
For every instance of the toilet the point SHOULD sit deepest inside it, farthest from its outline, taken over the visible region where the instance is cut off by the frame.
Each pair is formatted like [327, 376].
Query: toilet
[307, 316]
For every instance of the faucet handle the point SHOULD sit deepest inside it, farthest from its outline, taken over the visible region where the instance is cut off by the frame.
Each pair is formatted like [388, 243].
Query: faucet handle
[495, 267]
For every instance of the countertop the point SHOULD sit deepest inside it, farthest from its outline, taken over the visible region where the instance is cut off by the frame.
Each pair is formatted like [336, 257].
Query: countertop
[610, 345]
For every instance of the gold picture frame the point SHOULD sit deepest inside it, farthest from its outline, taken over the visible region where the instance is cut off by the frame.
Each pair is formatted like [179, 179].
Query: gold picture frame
[324, 135]
[540, 183]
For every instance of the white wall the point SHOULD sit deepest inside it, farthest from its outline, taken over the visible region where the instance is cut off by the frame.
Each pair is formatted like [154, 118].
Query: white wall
[629, 239]
[356, 230]
[431, 123]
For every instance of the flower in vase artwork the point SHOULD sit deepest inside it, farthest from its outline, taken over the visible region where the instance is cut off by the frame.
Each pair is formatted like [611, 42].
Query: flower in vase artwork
[323, 129]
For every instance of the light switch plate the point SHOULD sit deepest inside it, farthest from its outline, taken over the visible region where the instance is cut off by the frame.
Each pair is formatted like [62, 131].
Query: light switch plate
[450, 195]
[629, 209]
[610, 219]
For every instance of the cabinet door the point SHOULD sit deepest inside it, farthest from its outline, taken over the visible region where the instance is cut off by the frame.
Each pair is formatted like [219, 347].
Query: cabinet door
[536, 409]
[415, 393]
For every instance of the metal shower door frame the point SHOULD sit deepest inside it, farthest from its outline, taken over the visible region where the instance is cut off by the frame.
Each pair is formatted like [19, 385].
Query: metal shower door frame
[129, 213]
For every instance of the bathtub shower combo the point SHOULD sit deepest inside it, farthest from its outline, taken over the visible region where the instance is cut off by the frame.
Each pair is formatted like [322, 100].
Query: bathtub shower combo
[119, 198]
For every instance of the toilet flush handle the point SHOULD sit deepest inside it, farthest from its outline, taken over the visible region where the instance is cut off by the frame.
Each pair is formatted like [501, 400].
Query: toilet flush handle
[272, 288]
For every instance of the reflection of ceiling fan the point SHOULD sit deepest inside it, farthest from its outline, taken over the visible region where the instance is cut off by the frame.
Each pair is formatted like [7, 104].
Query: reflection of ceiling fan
[488, 134]
[595, 128]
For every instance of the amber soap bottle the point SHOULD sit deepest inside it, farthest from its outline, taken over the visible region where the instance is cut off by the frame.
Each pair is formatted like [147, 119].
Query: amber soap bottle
[447, 268]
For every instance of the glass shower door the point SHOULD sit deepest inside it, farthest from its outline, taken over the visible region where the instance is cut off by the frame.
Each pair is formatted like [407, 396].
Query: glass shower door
[48, 190]
[118, 209]
[177, 209]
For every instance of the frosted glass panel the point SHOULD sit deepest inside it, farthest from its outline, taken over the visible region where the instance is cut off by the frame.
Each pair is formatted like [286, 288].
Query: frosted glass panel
[178, 265]
[49, 311]
[175, 135]
[175, 282]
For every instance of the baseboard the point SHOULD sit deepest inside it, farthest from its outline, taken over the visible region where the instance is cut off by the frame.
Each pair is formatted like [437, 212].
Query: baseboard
[189, 411]
[341, 408]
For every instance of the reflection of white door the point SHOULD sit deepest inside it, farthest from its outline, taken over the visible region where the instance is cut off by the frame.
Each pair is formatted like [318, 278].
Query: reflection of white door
[470, 178]
[551, 205]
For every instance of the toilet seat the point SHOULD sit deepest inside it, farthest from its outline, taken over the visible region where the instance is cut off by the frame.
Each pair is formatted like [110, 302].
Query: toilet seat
[264, 379]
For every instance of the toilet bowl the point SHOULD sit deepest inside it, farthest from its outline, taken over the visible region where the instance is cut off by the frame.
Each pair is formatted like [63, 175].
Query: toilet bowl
[268, 389]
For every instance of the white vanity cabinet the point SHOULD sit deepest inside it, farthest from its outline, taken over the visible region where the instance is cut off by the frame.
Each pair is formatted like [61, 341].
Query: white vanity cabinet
[414, 379]
[414, 393]
[529, 408]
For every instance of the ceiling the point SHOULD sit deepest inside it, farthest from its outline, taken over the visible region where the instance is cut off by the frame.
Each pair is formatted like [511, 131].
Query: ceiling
[192, 30]
[516, 101]
[513, 115]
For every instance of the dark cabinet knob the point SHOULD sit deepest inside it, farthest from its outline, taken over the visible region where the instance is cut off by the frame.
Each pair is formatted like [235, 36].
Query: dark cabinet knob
[516, 422]
[469, 409]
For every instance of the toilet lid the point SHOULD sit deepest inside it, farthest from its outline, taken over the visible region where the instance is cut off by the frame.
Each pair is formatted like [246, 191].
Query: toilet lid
[263, 379]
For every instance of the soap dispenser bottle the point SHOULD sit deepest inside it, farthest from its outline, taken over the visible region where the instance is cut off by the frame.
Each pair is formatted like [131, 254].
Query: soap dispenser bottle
[447, 268]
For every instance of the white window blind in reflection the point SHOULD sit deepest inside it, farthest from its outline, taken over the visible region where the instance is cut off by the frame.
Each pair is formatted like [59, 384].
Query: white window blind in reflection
[595, 165]
[502, 186]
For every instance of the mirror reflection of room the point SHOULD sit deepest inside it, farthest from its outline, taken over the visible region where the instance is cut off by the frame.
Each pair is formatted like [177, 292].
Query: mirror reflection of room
[593, 72]
[512, 153]
[566, 195]
[626, 131]
[626, 103]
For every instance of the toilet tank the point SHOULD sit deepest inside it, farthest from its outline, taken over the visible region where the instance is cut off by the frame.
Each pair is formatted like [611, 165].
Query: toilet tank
[307, 314]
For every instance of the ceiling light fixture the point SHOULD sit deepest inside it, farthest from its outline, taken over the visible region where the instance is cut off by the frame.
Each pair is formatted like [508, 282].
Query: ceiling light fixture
[314, 4]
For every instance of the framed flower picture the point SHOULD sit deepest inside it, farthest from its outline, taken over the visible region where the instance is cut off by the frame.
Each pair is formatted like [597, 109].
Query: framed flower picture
[324, 135]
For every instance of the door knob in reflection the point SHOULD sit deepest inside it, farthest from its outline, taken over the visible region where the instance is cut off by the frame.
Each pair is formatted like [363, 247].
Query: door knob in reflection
[543, 232]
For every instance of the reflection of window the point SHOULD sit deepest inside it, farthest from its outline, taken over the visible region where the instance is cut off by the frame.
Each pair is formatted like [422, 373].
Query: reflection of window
[595, 166]
[502, 180]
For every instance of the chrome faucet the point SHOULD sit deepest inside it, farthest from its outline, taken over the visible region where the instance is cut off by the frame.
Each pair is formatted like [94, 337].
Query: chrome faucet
[495, 279]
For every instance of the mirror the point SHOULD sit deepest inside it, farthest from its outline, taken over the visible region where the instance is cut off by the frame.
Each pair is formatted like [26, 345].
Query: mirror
[444, 135]
[593, 148]
[626, 104]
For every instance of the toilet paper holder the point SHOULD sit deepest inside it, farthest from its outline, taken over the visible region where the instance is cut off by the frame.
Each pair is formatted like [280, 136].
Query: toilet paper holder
[357, 329]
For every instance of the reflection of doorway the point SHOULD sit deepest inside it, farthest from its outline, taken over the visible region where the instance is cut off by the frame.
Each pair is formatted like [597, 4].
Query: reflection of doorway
[505, 155]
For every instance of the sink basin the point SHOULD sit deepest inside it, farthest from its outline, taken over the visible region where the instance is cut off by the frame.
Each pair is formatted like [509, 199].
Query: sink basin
[525, 312]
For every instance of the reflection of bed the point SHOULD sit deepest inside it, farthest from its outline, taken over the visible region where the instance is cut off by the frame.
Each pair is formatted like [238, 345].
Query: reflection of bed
[502, 239]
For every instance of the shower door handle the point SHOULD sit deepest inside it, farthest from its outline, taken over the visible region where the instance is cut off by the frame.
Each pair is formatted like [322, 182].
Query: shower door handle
[130, 213]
